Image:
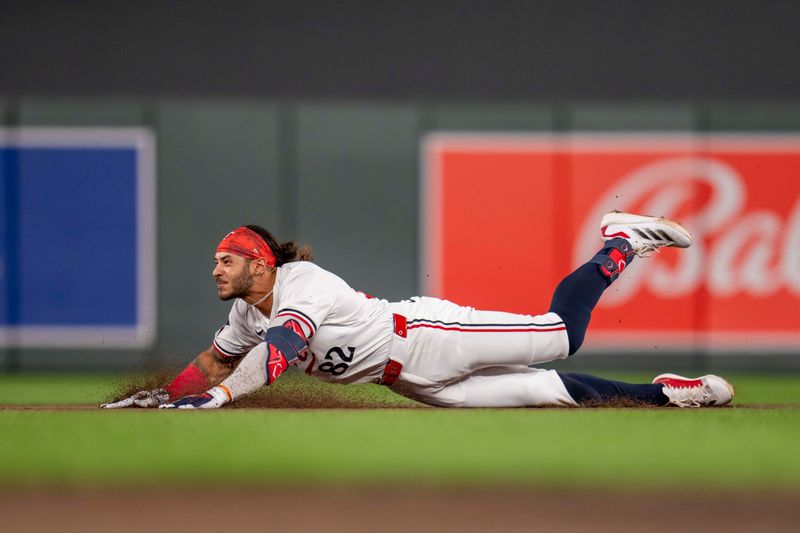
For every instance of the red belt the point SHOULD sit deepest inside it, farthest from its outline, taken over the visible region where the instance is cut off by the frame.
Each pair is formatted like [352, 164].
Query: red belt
[393, 368]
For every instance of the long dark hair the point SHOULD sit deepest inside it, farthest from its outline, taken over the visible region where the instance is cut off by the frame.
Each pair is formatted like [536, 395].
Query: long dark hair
[285, 252]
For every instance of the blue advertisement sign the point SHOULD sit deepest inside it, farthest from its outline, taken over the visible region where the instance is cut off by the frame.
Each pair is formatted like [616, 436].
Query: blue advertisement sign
[77, 237]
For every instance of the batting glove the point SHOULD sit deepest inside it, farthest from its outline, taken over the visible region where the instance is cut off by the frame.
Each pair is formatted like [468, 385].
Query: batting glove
[145, 398]
[213, 398]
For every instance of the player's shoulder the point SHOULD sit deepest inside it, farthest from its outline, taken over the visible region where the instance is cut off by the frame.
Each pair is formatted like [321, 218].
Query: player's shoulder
[300, 267]
[305, 277]
[305, 270]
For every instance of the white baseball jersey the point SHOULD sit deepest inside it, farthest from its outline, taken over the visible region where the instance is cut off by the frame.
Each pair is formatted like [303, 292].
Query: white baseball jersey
[453, 355]
[348, 333]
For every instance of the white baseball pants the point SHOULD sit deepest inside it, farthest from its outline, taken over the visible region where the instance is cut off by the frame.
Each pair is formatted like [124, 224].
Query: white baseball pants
[460, 357]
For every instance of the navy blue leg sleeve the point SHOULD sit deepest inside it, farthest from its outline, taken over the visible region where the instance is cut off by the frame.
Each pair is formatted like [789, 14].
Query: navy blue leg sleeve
[586, 389]
[578, 293]
[574, 299]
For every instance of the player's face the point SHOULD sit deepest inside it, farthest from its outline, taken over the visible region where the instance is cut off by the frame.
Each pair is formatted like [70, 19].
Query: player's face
[232, 276]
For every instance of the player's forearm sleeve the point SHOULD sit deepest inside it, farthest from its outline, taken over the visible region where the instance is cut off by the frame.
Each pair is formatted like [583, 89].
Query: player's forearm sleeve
[250, 375]
[190, 381]
[266, 361]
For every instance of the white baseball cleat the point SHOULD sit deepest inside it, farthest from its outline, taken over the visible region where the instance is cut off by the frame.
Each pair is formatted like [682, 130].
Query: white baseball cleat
[705, 391]
[645, 233]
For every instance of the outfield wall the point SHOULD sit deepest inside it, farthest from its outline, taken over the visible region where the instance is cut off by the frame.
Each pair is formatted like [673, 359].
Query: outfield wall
[341, 176]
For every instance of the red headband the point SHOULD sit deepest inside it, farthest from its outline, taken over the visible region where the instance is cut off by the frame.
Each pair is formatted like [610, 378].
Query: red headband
[247, 243]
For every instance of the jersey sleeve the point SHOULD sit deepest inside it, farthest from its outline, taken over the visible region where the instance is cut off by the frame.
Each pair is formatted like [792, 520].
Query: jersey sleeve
[308, 302]
[233, 339]
[304, 313]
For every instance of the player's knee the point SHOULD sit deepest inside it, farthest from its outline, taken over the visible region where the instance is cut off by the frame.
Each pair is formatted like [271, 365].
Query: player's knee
[575, 336]
[576, 322]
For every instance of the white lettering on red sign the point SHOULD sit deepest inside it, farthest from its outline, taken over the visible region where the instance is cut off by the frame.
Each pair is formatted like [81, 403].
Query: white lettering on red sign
[734, 251]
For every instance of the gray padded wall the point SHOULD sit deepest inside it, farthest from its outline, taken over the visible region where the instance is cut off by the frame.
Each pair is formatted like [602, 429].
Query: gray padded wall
[4, 118]
[657, 116]
[496, 117]
[357, 193]
[218, 169]
[81, 112]
[777, 118]
[78, 112]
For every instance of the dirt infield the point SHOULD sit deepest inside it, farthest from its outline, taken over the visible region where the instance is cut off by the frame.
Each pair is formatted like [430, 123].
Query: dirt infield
[357, 510]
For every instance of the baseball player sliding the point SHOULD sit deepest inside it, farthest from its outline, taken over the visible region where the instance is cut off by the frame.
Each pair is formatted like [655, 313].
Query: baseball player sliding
[288, 311]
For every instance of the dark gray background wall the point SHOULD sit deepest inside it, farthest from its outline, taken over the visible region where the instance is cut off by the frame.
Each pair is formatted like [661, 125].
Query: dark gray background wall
[557, 49]
[306, 116]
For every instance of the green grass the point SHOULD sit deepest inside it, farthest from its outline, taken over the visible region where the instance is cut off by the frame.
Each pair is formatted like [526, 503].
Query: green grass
[67, 389]
[716, 448]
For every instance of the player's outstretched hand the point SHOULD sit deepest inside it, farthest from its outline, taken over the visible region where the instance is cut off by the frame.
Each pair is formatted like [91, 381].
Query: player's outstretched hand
[213, 398]
[145, 398]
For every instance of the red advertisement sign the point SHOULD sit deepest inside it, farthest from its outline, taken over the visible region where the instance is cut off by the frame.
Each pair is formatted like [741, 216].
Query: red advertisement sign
[505, 217]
